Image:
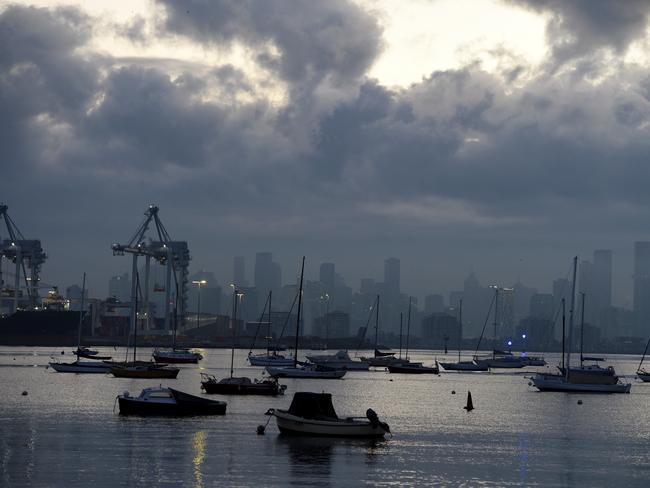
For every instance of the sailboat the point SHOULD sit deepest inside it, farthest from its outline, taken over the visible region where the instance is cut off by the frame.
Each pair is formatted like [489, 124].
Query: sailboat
[641, 373]
[141, 369]
[463, 365]
[239, 385]
[176, 355]
[97, 366]
[499, 359]
[271, 357]
[408, 367]
[304, 370]
[380, 359]
[578, 379]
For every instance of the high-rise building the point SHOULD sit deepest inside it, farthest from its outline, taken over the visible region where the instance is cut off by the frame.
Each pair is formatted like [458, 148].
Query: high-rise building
[268, 275]
[642, 287]
[601, 285]
[542, 306]
[327, 276]
[239, 271]
[392, 276]
[120, 287]
[434, 304]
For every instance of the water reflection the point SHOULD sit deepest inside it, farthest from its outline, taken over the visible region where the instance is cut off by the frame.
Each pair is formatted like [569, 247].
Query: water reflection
[315, 458]
[198, 444]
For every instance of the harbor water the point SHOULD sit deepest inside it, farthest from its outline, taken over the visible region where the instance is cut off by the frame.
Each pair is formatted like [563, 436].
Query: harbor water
[66, 431]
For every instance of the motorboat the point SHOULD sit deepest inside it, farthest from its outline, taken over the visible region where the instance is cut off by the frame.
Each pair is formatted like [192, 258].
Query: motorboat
[79, 366]
[413, 368]
[149, 370]
[84, 352]
[176, 356]
[340, 360]
[497, 361]
[382, 361]
[241, 386]
[312, 414]
[464, 366]
[167, 401]
[271, 359]
[306, 370]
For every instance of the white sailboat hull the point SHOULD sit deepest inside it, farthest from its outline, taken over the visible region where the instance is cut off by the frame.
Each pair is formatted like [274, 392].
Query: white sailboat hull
[357, 427]
[271, 360]
[552, 382]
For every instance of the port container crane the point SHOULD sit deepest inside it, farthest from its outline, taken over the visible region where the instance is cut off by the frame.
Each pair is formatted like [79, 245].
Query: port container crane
[26, 254]
[174, 255]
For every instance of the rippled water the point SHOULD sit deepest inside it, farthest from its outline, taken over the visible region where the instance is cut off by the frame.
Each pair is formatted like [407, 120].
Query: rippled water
[65, 432]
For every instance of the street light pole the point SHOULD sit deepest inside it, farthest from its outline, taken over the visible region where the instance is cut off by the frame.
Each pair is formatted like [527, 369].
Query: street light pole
[198, 300]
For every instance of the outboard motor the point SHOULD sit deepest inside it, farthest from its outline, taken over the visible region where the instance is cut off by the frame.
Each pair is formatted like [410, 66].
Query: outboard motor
[374, 420]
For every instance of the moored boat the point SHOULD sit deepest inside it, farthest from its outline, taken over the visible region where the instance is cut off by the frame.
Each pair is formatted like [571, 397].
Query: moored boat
[306, 370]
[151, 370]
[81, 367]
[312, 414]
[167, 401]
[340, 360]
[413, 368]
[271, 359]
[464, 366]
[176, 356]
[585, 378]
[241, 386]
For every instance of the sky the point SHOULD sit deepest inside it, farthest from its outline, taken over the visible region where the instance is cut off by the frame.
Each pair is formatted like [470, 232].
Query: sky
[503, 137]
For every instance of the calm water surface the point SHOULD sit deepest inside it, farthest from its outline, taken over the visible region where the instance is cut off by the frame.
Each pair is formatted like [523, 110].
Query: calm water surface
[65, 431]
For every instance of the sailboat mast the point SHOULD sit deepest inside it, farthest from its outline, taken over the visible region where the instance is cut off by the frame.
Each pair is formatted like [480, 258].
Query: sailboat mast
[234, 328]
[135, 325]
[268, 327]
[401, 317]
[563, 329]
[460, 326]
[643, 357]
[295, 352]
[496, 308]
[81, 311]
[408, 329]
[573, 303]
[376, 323]
[582, 330]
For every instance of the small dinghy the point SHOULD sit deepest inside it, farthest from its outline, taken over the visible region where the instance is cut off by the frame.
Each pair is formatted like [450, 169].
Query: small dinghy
[312, 414]
[167, 401]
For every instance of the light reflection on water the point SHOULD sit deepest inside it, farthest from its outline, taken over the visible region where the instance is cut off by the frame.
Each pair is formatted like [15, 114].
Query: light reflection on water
[64, 433]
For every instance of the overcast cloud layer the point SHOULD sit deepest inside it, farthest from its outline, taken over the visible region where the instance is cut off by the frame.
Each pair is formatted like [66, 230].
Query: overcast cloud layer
[510, 171]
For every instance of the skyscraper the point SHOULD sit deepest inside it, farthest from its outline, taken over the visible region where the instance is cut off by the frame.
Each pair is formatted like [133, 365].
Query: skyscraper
[392, 276]
[239, 271]
[268, 275]
[602, 282]
[642, 287]
[327, 276]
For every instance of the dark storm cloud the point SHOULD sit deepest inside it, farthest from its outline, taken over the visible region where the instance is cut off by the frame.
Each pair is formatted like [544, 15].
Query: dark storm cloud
[462, 154]
[314, 39]
[579, 28]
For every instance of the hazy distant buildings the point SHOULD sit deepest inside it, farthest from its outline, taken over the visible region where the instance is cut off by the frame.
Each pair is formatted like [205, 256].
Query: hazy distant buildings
[327, 276]
[332, 325]
[542, 306]
[522, 297]
[434, 304]
[239, 271]
[439, 329]
[642, 287]
[392, 276]
[268, 275]
[120, 287]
